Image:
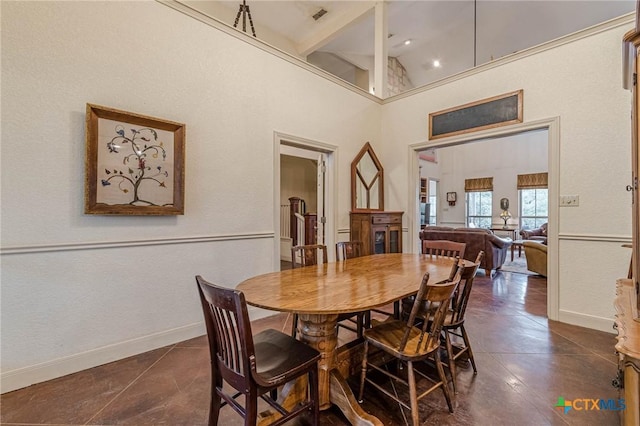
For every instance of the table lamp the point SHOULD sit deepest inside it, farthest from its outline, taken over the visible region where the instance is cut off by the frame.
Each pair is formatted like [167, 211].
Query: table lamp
[505, 215]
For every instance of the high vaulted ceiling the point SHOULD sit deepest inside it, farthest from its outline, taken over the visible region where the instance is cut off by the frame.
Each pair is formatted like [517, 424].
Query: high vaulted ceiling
[458, 33]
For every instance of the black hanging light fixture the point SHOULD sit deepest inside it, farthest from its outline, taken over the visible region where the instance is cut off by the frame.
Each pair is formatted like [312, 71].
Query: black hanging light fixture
[244, 12]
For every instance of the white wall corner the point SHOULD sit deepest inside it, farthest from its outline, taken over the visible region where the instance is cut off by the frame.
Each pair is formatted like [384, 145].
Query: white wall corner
[588, 321]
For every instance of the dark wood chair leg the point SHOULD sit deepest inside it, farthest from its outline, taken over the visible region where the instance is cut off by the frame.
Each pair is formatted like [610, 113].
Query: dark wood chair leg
[467, 345]
[214, 406]
[363, 373]
[294, 325]
[251, 407]
[314, 394]
[413, 394]
[451, 359]
[443, 379]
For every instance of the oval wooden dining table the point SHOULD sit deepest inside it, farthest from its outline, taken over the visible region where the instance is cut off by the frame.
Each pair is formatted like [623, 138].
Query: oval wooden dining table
[318, 293]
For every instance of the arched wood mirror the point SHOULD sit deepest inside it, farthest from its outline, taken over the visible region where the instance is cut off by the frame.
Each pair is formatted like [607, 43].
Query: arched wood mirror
[367, 181]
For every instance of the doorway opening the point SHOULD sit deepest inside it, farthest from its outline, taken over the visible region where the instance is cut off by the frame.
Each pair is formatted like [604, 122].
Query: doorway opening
[303, 182]
[547, 130]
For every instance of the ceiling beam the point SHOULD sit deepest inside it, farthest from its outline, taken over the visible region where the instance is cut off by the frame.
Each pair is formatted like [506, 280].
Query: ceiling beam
[332, 28]
[380, 58]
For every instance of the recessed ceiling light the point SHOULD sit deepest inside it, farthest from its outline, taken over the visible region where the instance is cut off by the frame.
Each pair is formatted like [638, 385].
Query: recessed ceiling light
[407, 42]
[436, 63]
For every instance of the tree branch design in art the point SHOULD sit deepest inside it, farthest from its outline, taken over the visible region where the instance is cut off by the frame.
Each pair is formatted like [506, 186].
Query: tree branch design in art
[142, 163]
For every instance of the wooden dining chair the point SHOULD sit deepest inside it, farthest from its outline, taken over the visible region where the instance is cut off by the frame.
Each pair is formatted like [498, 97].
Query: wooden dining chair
[454, 320]
[349, 250]
[410, 344]
[443, 248]
[306, 255]
[434, 248]
[253, 366]
[437, 248]
[407, 302]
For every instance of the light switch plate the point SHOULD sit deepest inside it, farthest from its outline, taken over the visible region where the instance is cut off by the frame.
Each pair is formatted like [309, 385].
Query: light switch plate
[569, 201]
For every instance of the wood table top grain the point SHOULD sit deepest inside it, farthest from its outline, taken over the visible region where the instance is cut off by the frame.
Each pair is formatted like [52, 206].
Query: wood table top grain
[353, 285]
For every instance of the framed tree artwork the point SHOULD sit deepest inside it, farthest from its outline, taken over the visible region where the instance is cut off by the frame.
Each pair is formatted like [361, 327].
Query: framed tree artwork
[134, 164]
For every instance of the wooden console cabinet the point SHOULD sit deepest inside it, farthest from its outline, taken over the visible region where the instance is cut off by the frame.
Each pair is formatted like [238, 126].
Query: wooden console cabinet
[627, 300]
[379, 231]
[628, 349]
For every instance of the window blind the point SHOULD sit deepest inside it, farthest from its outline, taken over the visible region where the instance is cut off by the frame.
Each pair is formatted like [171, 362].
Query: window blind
[533, 180]
[478, 184]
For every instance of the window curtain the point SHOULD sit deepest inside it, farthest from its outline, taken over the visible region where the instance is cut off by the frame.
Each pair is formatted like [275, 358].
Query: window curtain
[478, 184]
[533, 181]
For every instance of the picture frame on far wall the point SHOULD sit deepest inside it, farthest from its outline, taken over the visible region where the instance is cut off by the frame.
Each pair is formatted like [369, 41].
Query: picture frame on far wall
[134, 164]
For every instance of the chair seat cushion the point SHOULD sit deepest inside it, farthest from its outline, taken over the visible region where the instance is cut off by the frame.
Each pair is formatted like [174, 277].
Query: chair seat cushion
[278, 353]
[388, 335]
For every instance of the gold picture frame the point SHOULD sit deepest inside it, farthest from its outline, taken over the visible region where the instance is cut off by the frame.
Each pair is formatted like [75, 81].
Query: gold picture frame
[134, 164]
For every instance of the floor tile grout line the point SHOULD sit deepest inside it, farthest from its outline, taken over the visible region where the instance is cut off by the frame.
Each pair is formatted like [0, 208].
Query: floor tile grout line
[130, 384]
[541, 404]
[40, 424]
[528, 388]
[576, 343]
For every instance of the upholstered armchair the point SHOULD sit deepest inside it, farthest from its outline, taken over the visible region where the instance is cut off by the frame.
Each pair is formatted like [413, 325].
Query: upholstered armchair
[537, 234]
[536, 254]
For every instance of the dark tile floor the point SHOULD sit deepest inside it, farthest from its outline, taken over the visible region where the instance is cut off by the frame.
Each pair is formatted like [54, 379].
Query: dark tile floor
[525, 364]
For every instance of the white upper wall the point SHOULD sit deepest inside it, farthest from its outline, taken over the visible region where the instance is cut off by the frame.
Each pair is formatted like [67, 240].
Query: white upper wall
[580, 83]
[79, 290]
[227, 15]
[502, 158]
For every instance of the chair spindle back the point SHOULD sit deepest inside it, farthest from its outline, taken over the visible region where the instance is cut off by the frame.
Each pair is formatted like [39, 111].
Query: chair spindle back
[308, 255]
[443, 248]
[227, 319]
[461, 295]
[430, 307]
[348, 250]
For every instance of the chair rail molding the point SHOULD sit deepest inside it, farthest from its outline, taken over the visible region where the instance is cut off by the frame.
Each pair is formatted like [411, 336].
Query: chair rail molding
[91, 245]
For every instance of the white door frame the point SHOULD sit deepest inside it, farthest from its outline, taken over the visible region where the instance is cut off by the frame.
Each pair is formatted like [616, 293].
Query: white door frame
[331, 152]
[552, 125]
[321, 185]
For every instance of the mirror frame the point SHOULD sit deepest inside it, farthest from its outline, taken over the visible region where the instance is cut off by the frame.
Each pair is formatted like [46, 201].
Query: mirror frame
[367, 149]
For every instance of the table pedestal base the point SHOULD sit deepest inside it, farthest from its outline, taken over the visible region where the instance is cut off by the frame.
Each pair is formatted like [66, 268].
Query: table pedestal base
[343, 397]
[321, 333]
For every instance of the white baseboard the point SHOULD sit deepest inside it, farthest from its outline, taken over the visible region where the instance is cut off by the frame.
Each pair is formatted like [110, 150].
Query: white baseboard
[26, 376]
[588, 321]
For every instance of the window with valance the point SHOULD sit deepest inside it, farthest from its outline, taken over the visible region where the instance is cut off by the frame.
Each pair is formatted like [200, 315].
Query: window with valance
[533, 180]
[534, 199]
[479, 197]
[478, 184]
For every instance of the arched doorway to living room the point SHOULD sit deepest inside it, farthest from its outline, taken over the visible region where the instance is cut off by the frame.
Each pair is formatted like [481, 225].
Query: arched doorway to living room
[549, 129]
